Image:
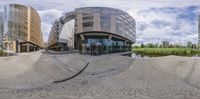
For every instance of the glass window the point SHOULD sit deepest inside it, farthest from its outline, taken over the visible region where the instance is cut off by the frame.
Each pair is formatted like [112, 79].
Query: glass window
[105, 18]
[105, 23]
[119, 28]
[109, 46]
[88, 18]
[87, 14]
[87, 24]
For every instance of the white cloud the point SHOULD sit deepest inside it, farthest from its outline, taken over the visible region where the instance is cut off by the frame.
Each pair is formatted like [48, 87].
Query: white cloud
[48, 17]
[45, 30]
[176, 30]
[177, 25]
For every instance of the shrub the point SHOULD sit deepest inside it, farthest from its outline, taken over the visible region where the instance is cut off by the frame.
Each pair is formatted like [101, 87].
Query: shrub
[166, 51]
[1, 52]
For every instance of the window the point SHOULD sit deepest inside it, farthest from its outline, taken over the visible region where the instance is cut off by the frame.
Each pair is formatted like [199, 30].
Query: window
[105, 22]
[105, 18]
[87, 14]
[119, 28]
[88, 18]
[87, 24]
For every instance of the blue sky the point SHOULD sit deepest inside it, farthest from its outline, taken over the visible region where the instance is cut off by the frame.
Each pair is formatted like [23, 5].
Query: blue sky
[156, 20]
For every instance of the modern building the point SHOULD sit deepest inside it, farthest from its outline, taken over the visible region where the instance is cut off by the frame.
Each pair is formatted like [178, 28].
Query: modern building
[93, 30]
[199, 29]
[1, 29]
[21, 29]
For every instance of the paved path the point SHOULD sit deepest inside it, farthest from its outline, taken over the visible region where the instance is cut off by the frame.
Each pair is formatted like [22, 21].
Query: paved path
[116, 77]
[32, 70]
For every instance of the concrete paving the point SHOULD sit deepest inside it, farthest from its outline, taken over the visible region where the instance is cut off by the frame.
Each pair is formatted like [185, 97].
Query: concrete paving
[31, 76]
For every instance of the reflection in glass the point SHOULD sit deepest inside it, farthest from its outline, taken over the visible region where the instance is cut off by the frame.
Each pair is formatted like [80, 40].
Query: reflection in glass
[108, 46]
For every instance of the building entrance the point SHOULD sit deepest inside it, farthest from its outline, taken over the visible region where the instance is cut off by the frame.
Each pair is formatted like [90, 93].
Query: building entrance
[97, 45]
[96, 49]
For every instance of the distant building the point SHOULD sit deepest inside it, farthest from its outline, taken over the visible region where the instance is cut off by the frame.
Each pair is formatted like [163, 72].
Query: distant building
[93, 30]
[199, 29]
[21, 29]
[1, 29]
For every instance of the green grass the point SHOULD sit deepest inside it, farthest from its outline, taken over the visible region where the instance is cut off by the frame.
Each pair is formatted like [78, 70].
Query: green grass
[166, 51]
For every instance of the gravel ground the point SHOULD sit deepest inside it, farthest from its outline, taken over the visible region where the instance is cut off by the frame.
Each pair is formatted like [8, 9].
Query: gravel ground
[31, 76]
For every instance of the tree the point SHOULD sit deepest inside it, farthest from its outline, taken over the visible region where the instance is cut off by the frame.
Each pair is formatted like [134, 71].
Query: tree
[165, 44]
[171, 46]
[189, 44]
[150, 45]
[142, 45]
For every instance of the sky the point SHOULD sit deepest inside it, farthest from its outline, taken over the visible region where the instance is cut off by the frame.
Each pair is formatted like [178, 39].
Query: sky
[175, 21]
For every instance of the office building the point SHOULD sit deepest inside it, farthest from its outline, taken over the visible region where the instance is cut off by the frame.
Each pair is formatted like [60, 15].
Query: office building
[21, 29]
[1, 29]
[93, 30]
[199, 29]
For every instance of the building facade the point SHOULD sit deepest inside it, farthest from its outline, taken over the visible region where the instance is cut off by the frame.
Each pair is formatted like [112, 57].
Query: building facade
[93, 30]
[21, 29]
[199, 30]
[1, 30]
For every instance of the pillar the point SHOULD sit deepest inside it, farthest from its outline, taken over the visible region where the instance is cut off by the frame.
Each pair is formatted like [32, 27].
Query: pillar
[19, 47]
[16, 46]
[28, 48]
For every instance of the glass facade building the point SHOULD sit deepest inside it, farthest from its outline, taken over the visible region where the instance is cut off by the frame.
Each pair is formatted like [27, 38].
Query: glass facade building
[1, 29]
[98, 30]
[21, 29]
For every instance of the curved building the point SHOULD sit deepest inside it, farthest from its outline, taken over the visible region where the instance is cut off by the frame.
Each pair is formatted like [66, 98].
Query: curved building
[94, 30]
[21, 29]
